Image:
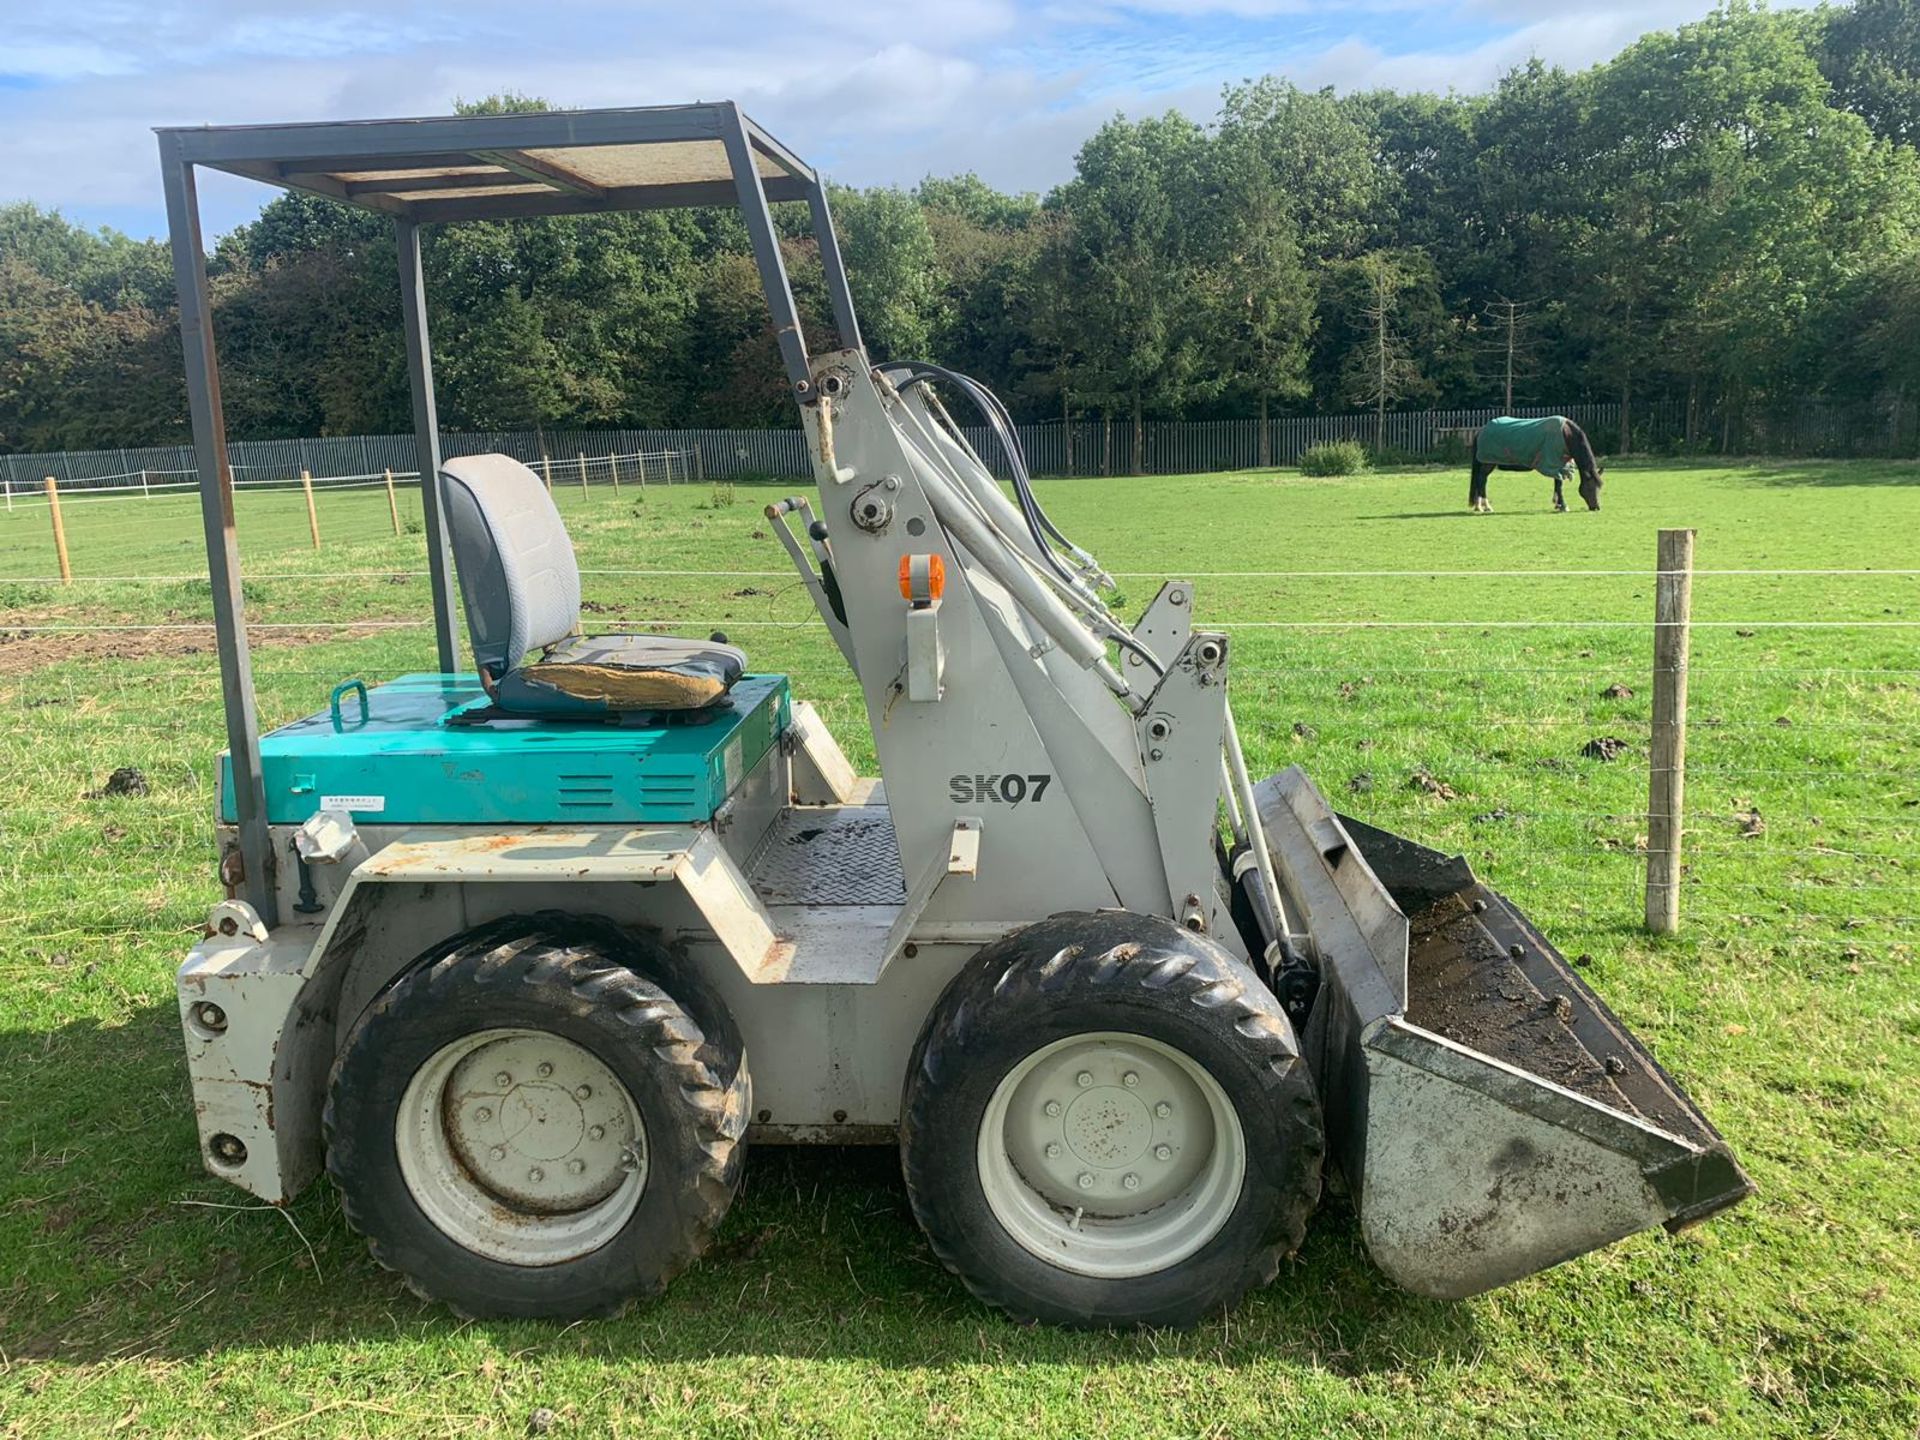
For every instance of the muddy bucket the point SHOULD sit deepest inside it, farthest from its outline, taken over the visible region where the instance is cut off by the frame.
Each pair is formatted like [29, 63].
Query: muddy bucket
[1490, 1115]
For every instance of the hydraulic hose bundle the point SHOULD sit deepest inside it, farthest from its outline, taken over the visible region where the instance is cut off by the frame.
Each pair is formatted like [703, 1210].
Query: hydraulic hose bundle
[1040, 526]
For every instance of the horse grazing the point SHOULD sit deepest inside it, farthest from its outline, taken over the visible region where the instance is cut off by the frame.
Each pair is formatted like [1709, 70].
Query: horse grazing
[1554, 446]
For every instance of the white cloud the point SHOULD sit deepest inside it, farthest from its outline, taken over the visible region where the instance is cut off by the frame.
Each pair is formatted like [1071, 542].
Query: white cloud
[1009, 88]
[34, 59]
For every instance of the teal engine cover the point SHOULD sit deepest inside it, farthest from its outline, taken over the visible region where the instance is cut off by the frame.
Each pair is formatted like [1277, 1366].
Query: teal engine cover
[418, 752]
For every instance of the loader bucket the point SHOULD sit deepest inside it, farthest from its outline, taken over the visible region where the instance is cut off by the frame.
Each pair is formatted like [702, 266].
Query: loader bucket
[1491, 1116]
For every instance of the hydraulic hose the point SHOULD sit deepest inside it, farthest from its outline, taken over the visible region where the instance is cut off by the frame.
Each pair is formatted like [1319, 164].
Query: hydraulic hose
[1009, 443]
[1039, 525]
[1007, 435]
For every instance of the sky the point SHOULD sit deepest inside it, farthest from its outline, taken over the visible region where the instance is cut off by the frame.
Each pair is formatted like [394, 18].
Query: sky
[871, 93]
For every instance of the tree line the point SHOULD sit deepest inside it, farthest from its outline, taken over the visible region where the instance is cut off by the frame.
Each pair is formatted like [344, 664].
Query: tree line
[1724, 215]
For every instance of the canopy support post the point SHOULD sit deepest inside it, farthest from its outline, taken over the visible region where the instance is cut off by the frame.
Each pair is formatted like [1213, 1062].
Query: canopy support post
[426, 437]
[766, 250]
[216, 514]
[833, 267]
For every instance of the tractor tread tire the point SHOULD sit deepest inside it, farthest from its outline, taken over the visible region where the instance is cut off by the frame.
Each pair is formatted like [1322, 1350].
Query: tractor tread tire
[518, 971]
[1107, 964]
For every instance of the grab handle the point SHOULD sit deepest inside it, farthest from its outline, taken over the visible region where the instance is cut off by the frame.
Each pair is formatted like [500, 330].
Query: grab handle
[333, 703]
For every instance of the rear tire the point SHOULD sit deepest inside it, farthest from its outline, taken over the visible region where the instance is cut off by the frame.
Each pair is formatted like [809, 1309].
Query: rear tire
[1107, 1122]
[527, 1128]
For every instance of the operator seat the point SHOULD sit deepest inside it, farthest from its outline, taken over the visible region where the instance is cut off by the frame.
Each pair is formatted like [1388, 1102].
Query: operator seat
[521, 588]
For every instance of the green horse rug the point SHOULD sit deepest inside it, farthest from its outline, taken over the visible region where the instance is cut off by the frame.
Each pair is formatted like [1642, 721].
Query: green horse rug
[1553, 445]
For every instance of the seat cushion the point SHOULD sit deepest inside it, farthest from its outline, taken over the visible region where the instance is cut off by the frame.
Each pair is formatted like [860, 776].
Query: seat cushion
[590, 675]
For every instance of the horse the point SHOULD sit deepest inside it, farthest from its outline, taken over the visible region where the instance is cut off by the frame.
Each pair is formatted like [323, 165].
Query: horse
[1553, 445]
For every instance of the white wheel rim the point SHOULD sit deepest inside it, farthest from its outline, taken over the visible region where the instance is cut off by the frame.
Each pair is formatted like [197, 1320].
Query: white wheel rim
[521, 1146]
[1111, 1155]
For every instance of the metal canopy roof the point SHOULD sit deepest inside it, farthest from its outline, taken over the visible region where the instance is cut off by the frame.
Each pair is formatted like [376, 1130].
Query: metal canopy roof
[497, 167]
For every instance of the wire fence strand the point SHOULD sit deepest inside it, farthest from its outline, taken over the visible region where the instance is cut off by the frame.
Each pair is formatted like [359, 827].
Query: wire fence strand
[1483, 720]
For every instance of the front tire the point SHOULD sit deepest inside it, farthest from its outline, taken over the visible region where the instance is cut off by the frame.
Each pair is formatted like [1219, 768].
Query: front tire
[527, 1128]
[1108, 1122]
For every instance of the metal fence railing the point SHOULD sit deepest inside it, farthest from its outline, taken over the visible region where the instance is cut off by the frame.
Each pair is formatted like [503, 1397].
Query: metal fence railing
[676, 456]
[1097, 446]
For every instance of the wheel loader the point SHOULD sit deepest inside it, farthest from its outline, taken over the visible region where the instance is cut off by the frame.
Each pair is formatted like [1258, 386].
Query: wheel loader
[528, 949]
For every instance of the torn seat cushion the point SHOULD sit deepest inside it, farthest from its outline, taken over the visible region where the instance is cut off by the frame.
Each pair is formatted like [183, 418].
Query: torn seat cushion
[589, 675]
[521, 587]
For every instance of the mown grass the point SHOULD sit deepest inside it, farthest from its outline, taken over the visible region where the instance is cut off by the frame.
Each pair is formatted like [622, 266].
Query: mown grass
[1787, 1006]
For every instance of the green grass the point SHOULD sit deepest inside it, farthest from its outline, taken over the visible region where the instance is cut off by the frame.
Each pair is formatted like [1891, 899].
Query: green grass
[1787, 1006]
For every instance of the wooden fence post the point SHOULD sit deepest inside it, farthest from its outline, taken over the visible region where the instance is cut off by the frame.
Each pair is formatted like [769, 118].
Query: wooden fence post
[699, 466]
[313, 515]
[546, 469]
[613, 469]
[641, 457]
[1667, 766]
[583, 474]
[393, 505]
[145, 489]
[9, 494]
[59, 531]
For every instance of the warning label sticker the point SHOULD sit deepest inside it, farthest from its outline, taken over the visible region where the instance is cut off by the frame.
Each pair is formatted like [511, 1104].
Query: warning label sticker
[366, 804]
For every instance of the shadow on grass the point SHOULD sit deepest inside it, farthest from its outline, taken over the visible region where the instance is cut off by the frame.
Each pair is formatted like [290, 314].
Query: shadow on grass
[1450, 514]
[1511, 512]
[1833, 475]
[115, 1244]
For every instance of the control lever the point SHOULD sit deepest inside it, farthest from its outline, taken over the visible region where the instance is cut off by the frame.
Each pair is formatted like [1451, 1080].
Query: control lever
[817, 532]
[824, 585]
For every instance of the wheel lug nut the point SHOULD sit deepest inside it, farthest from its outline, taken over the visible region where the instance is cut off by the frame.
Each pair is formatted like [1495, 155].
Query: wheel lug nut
[1132, 1182]
[1086, 1181]
[1163, 1152]
[1053, 1109]
[596, 1132]
[499, 1152]
[1053, 1150]
[536, 1174]
[483, 1114]
[545, 1070]
[1130, 1079]
[574, 1167]
[503, 1079]
[583, 1092]
[1163, 1110]
[1083, 1079]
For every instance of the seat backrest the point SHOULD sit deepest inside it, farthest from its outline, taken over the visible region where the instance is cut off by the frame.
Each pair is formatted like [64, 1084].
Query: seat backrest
[518, 577]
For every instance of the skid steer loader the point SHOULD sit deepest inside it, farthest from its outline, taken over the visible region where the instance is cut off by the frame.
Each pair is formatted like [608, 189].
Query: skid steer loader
[526, 952]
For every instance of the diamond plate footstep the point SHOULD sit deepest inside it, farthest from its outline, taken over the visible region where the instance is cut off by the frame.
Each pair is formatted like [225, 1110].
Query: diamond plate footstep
[844, 857]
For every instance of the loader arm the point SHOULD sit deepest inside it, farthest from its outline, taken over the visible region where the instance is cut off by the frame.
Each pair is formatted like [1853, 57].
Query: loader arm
[1094, 761]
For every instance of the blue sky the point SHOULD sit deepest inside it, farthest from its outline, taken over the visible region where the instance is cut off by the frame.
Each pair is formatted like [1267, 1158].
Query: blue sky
[871, 92]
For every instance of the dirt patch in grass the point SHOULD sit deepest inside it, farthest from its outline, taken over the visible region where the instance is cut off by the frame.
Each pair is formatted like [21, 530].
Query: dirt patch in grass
[24, 651]
[128, 780]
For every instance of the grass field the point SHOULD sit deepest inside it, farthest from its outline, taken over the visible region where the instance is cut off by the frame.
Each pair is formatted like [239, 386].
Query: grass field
[140, 1297]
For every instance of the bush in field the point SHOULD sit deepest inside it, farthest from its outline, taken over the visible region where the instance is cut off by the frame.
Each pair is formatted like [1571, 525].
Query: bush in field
[1335, 457]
